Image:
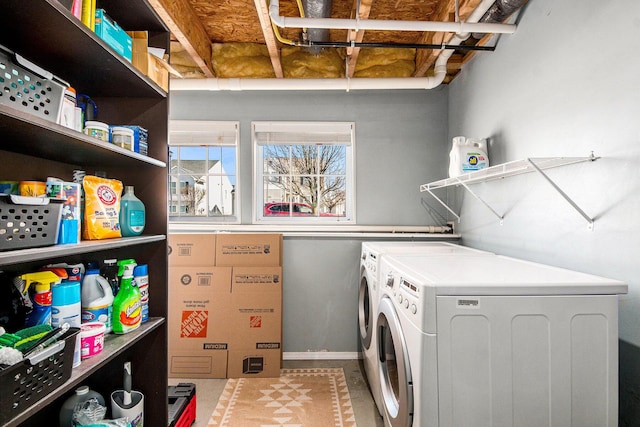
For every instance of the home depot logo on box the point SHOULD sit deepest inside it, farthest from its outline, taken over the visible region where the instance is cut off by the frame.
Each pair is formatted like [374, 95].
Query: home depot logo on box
[255, 321]
[194, 324]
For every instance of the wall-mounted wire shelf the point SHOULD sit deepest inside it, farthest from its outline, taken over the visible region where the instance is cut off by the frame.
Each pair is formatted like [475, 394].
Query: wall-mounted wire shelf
[504, 170]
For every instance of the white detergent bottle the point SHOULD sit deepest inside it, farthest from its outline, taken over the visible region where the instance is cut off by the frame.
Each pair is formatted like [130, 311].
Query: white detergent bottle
[97, 299]
[467, 155]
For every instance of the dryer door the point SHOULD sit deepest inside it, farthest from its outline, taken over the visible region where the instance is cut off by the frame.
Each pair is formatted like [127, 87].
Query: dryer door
[365, 310]
[395, 371]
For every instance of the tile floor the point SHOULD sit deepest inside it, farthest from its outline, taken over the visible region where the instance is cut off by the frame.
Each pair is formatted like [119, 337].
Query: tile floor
[208, 391]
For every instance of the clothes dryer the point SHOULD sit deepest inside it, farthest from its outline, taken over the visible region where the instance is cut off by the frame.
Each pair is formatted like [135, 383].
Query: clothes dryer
[371, 255]
[495, 341]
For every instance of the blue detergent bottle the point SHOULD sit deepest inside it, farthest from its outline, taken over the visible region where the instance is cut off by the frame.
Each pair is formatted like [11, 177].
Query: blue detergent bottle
[132, 214]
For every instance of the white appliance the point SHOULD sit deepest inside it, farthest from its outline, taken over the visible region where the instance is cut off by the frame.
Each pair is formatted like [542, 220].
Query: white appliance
[496, 341]
[371, 253]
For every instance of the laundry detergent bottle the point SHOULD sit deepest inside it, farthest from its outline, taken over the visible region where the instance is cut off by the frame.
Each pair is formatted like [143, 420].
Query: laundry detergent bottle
[132, 214]
[127, 313]
[467, 155]
[97, 299]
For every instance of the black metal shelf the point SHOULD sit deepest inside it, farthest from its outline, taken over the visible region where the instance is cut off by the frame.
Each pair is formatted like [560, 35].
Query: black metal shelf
[28, 134]
[46, 33]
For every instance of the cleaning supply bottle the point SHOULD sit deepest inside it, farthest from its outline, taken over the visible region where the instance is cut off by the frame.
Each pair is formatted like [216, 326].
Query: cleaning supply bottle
[82, 395]
[467, 155]
[109, 271]
[97, 299]
[126, 306]
[141, 280]
[39, 296]
[66, 308]
[132, 214]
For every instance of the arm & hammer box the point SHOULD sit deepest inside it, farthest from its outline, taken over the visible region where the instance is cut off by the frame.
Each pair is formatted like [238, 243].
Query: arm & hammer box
[255, 340]
[199, 315]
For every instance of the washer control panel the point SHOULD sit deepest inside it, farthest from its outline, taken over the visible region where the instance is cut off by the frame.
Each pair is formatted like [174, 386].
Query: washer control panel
[409, 298]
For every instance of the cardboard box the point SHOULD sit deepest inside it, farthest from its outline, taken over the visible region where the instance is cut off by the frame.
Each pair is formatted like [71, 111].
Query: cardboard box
[238, 250]
[192, 250]
[256, 307]
[157, 69]
[109, 31]
[198, 318]
[255, 327]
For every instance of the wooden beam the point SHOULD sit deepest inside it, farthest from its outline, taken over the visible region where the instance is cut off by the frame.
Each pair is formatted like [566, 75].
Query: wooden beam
[357, 36]
[269, 37]
[426, 58]
[188, 30]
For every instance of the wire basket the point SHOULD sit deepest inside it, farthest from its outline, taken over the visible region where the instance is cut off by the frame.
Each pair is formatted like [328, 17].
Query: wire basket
[26, 382]
[26, 87]
[24, 224]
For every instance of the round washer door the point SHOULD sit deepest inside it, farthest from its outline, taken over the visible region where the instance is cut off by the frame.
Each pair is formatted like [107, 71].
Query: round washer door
[365, 310]
[395, 370]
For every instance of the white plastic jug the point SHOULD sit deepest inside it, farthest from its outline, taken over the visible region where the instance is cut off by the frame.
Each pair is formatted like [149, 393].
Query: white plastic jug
[97, 299]
[467, 155]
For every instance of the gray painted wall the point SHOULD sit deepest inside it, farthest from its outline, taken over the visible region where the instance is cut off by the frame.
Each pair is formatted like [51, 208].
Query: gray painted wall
[400, 144]
[567, 83]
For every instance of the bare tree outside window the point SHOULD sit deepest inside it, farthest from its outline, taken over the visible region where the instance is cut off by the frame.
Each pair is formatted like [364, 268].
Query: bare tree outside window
[313, 174]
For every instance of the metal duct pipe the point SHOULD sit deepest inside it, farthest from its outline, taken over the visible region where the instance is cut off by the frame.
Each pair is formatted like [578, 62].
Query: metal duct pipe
[389, 25]
[317, 9]
[500, 12]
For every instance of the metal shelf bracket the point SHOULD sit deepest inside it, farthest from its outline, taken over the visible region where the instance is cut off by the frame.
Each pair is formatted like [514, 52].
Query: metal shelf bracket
[510, 169]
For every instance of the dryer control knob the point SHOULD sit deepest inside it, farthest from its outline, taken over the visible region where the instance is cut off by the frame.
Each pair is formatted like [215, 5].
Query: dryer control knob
[406, 303]
[414, 309]
[400, 299]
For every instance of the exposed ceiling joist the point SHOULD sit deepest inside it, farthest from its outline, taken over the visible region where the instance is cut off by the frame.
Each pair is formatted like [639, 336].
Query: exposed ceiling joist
[352, 52]
[185, 25]
[269, 36]
[426, 58]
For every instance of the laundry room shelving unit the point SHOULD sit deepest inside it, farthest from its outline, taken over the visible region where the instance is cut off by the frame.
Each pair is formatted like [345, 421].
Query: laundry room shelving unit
[33, 148]
[504, 170]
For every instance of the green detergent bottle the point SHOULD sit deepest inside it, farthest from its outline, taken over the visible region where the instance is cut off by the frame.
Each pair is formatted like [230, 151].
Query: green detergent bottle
[127, 313]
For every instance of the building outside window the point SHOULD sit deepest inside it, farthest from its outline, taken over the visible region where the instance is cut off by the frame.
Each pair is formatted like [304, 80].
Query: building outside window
[304, 172]
[203, 170]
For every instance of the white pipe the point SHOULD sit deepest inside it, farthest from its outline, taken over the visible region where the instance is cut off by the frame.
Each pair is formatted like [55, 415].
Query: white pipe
[387, 25]
[346, 84]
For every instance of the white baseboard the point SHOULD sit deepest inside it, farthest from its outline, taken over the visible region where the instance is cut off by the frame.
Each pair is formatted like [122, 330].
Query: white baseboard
[320, 355]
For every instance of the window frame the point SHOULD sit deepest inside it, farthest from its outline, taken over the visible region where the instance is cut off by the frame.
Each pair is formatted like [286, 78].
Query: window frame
[195, 133]
[307, 132]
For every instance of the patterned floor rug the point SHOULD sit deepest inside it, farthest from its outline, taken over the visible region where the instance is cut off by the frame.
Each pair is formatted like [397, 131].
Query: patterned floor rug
[299, 398]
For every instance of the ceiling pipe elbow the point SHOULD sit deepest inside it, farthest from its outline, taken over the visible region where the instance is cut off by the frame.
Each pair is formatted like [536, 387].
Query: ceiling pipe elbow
[388, 25]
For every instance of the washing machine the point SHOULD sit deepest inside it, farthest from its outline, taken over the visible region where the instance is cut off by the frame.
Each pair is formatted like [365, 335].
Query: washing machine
[496, 341]
[371, 255]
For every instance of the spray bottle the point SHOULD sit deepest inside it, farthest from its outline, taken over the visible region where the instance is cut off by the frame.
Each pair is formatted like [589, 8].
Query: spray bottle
[127, 314]
[37, 297]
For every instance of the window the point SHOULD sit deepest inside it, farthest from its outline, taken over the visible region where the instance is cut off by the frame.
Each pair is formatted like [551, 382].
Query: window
[304, 172]
[203, 170]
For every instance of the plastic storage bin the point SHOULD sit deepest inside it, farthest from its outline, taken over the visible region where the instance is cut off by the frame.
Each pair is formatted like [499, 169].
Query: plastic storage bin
[26, 382]
[28, 222]
[29, 88]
